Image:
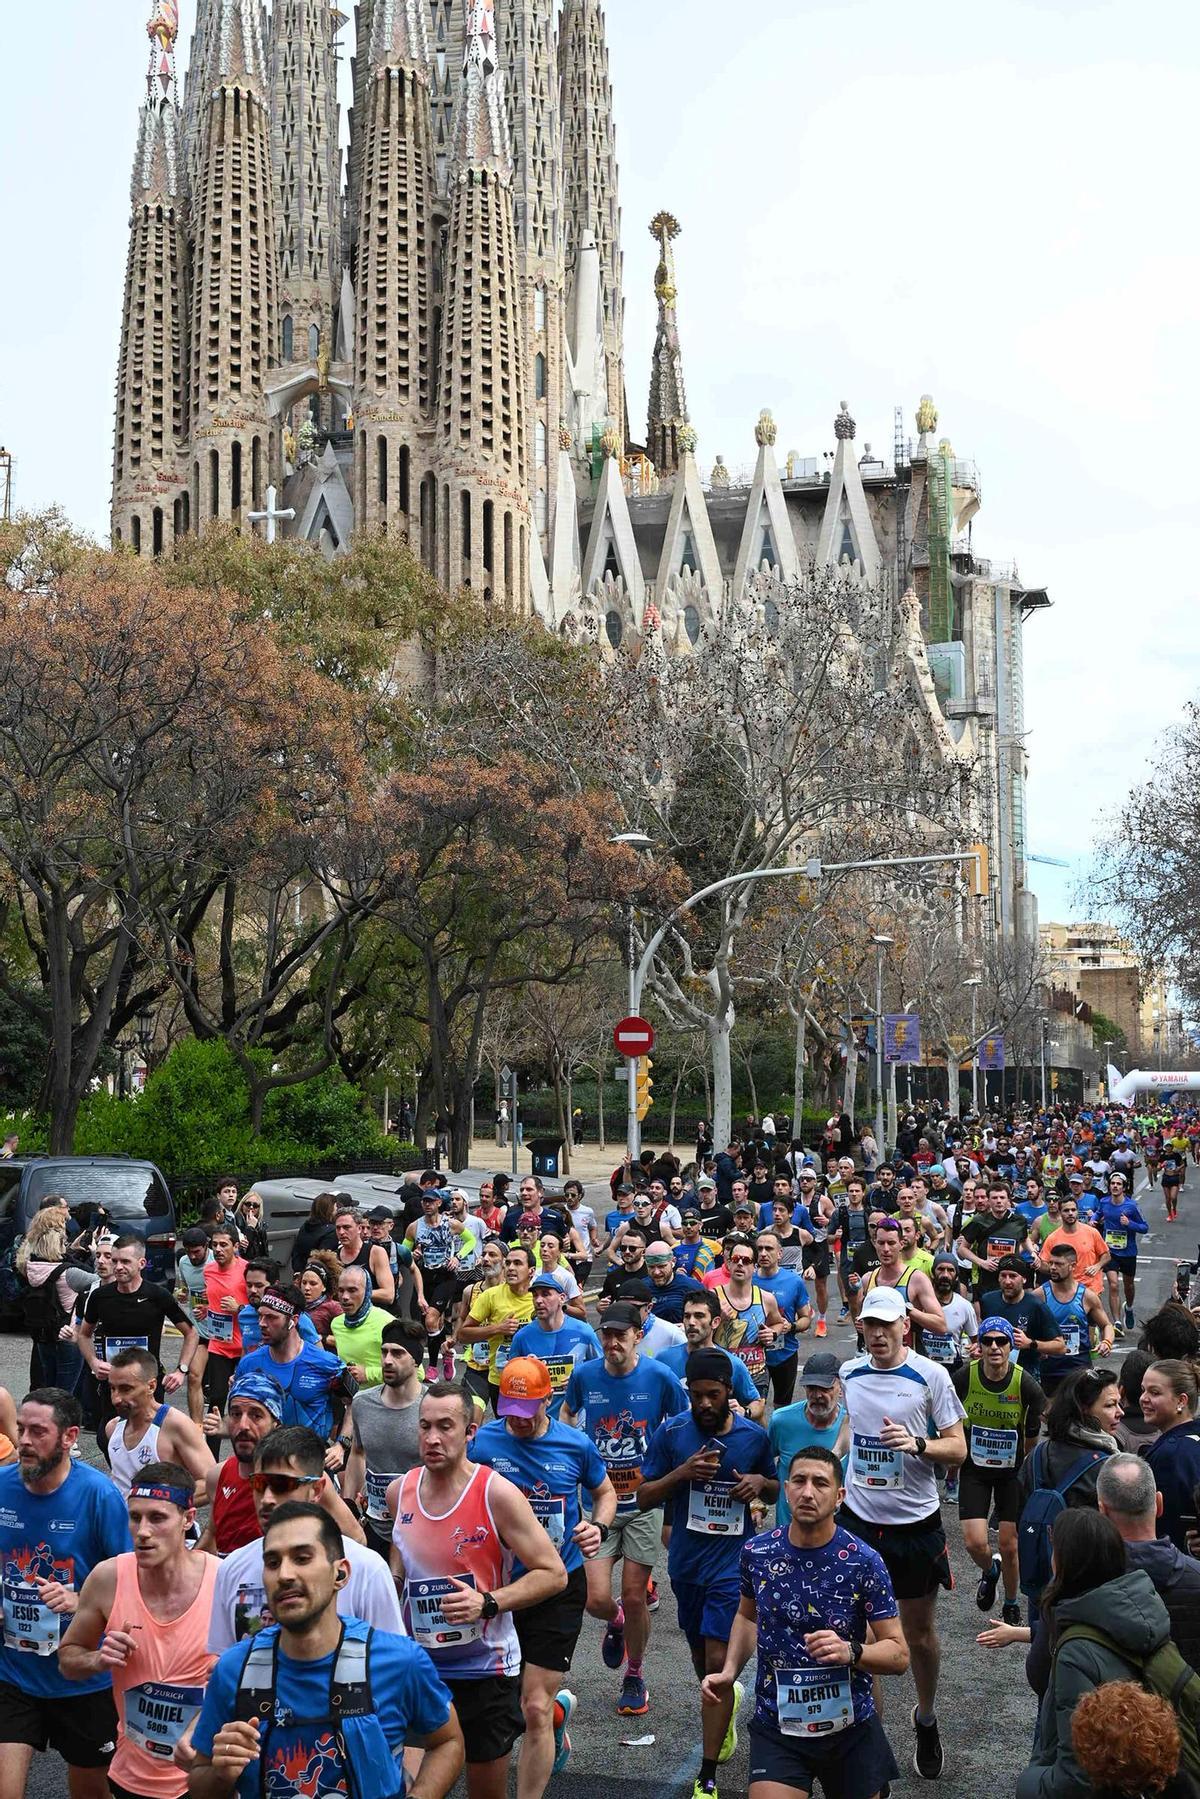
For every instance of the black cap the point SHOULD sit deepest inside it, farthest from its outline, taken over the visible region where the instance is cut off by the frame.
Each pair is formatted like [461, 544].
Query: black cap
[621, 1318]
[380, 1215]
[1012, 1265]
[639, 1290]
[689, 1212]
[709, 1364]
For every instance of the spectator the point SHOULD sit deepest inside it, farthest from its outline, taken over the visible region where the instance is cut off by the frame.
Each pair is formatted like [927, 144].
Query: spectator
[256, 1243]
[1171, 1335]
[1133, 1432]
[1127, 1496]
[1170, 1392]
[317, 1231]
[1127, 1743]
[1082, 1416]
[42, 1256]
[1091, 1587]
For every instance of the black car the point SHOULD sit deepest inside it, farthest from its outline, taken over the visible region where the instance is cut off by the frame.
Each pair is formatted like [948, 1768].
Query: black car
[133, 1194]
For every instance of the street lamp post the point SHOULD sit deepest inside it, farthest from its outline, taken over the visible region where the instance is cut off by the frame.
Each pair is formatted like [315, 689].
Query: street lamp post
[812, 870]
[634, 840]
[881, 942]
[972, 981]
[1045, 1032]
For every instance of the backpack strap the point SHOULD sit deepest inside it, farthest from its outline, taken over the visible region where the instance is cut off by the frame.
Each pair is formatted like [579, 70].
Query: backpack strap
[350, 1684]
[255, 1694]
[1078, 1468]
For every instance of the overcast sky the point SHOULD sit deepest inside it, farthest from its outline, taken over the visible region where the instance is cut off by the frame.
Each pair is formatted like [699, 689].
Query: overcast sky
[994, 204]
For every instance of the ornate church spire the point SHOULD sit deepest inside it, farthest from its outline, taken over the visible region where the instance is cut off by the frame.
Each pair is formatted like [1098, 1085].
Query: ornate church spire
[529, 56]
[235, 319]
[306, 167]
[149, 505]
[482, 396]
[591, 204]
[393, 374]
[668, 413]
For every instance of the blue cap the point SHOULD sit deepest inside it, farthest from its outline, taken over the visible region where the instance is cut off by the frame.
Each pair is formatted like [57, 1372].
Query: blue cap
[998, 1327]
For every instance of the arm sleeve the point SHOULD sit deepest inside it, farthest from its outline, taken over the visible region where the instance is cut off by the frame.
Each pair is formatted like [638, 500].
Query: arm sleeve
[1034, 1401]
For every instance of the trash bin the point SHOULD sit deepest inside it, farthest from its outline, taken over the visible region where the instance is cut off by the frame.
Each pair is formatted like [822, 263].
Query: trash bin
[545, 1152]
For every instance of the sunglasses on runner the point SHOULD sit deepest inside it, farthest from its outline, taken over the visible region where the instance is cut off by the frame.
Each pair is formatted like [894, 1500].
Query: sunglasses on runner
[282, 1485]
[741, 1261]
[994, 1342]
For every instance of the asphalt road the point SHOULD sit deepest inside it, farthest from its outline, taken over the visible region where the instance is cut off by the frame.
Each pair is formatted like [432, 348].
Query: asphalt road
[985, 1709]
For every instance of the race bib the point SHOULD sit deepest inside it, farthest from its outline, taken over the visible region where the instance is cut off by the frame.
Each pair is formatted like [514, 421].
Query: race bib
[940, 1348]
[503, 1351]
[114, 1345]
[1116, 1239]
[156, 1716]
[221, 1325]
[559, 1367]
[1072, 1337]
[551, 1514]
[626, 1481]
[29, 1625]
[429, 1628]
[813, 1702]
[753, 1358]
[377, 1486]
[873, 1464]
[477, 1355]
[1001, 1246]
[993, 1448]
[713, 1511]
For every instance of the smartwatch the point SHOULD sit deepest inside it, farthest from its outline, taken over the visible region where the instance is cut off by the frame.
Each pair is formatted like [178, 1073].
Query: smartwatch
[490, 1608]
[603, 1529]
[920, 1446]
[856, 1649]
[183, 1369]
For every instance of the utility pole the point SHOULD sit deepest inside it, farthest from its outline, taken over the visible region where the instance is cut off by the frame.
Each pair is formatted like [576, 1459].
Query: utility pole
[881, 943]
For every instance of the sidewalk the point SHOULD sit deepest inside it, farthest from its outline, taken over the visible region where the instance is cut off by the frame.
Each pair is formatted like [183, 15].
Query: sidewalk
[588, 1163]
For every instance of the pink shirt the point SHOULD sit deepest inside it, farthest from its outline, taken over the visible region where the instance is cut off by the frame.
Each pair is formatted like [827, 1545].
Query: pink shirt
[160, 1689]
[221, 1283]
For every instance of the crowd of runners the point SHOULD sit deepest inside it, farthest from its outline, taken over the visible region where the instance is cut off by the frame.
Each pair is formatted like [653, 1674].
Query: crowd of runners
[456, 1431]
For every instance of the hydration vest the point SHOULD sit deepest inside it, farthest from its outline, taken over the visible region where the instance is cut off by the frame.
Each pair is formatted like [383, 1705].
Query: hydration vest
[314, 1755]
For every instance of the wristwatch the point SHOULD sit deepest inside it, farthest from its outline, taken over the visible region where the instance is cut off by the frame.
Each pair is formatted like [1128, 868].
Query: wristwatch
[919, 1446]
[603, 1529]
[856, 1649]
[490, 1608]
[183, 1369]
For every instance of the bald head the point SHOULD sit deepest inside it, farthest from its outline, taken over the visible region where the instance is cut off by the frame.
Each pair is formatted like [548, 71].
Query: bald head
[1128, 1496]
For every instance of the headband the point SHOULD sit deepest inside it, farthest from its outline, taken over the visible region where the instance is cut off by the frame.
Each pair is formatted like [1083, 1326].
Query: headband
[179, 1496]
[274, 1301]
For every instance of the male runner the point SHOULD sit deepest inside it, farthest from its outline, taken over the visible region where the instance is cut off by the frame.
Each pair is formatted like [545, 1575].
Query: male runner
[550, 1463]
[129, 1313]
[255, 1407]
[818, 1420]
[791, 1296]
[1091, 1255]
[695, 1254]
[316, 1703]
[850, 1228]
[818, 1605]
[820, 1210]
[312, 1381]
[142, 1622]
[708, 1464]
[289, 1464]
[951, 1346]
[560, 1342]
[911, 1282]
[385, 1443]
[355, 1250]
[58, 1519]
[225, 1285]
[358, 1332]
[460, 1533]
[1075, 1309]
[1120, 1222]
[1034, 1331]
[497, 1313]
[144, 1431]
[995, 1231]
[1004, 1408]
[700, 1314]
[191, 1292]
[626, 1396]
[671, 1286]
[894, 1398]
[751, 1320]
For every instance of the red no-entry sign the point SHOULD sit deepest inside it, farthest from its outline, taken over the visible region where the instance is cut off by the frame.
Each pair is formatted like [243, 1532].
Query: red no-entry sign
[634, 1037]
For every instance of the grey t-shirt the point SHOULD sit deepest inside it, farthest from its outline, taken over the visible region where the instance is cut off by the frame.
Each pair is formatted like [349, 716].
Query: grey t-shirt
[387, 1436]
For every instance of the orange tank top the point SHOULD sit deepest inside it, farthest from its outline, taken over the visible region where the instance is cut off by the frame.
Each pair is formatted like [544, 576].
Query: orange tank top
[161, 1687]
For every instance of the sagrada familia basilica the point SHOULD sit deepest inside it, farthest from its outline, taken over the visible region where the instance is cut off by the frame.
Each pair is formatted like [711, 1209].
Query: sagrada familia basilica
[424, 336]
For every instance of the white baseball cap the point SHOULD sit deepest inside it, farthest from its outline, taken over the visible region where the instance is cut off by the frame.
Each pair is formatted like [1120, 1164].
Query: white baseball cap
[887, 1304]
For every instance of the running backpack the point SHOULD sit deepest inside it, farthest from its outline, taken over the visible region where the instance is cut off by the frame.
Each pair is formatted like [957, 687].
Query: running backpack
[1164, 1673]
[1037, 1519]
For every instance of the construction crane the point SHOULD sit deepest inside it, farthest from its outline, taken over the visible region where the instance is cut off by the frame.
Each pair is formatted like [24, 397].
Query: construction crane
[6, 484]
[1050, 861]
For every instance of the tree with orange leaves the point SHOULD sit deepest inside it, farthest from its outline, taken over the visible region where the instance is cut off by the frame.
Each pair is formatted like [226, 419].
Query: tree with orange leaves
[152, 737]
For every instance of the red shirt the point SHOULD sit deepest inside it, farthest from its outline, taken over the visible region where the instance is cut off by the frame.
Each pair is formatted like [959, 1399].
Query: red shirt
[234, 1520]
[221, 1283]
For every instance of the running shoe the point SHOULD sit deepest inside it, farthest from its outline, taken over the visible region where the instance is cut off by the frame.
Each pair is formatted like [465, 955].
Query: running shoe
[1129, 1319]
[952, 1486]
[725, 1752]
[704, 1789]
[820, 1330]
[1011, 1611]
[653, 1600]
[1118, 1328]
[564, 1704]
[612, 1649]
[634, 1700]
[929, 1758]
[843, 1314]
[447, 1364]
[985, 1592]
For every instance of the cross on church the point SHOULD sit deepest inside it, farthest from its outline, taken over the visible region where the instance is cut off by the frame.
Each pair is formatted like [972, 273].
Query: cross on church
[272, 514]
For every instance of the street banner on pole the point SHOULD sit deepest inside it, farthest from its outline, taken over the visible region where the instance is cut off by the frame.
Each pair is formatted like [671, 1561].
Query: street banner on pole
[991, 1052]
[901, 1037]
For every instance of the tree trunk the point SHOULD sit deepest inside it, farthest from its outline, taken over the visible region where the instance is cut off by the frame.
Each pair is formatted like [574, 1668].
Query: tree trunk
[798, 1071]
[850, 1076]
[678, 1082]
[893, 1110]
[748, 1065]
[569, 1139]
[601, 1073]
[562, 1127]
[719, 1031]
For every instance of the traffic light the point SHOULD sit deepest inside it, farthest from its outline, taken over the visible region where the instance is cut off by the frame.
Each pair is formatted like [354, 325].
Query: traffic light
[976, 870]
[644, 1084]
